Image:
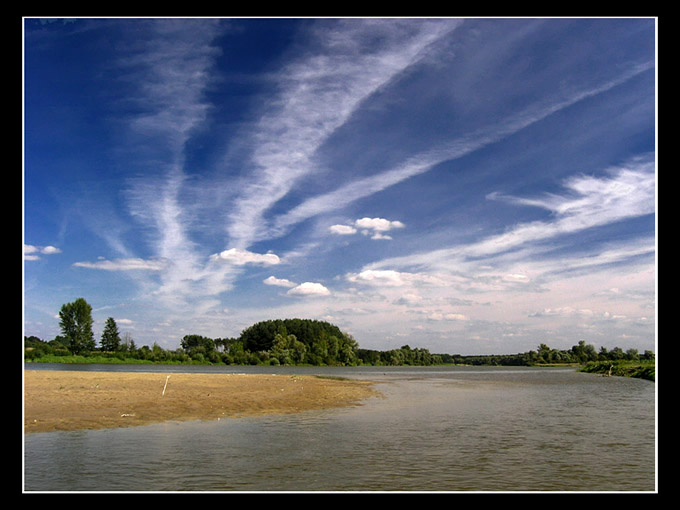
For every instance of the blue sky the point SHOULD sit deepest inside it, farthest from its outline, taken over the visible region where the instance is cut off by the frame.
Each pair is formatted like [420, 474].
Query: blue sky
[464, 185]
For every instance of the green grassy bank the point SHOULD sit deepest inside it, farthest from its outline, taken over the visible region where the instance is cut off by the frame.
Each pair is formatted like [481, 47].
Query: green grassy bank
[622, 368]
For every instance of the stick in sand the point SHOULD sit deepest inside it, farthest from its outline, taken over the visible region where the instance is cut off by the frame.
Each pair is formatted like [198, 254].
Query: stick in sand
[166, 385]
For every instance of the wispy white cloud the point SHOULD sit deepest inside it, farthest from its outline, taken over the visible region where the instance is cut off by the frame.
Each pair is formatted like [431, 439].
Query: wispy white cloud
[167, 72]
[461, 146]
[588, 202]
[168, 69]
[318, 94]
[526, 278]
[133, 264]
[438, 316]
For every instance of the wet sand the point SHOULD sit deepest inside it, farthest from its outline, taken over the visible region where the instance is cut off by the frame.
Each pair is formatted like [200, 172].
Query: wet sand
[71, 400]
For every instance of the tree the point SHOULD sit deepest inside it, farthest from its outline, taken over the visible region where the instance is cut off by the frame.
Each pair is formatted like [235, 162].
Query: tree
[76, 325]
[196, 343]
[544, 355]
[632, 354]
[584, 352]
[128, 344]
[616, 354]
[110, 340]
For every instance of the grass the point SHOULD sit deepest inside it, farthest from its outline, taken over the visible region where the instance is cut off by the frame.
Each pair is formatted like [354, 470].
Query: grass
[51, 358]
[622, 368]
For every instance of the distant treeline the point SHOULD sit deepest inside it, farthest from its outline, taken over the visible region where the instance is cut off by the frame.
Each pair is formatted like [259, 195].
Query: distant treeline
[300, 342]
[275, 342]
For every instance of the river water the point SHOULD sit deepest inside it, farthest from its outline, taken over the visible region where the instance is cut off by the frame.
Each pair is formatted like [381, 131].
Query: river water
[444, 429]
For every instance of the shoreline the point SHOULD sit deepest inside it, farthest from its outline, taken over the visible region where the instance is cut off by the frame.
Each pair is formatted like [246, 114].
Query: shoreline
[72, 400]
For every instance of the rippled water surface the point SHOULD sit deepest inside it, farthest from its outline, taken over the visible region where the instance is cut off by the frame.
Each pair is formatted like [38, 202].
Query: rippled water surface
[436, 429]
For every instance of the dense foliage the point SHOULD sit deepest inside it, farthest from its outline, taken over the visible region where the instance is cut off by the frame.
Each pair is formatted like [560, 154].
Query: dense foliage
[287, 342]
[75, 320]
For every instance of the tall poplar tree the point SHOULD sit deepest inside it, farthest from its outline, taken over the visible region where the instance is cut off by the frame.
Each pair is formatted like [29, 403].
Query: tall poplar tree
[76, 325]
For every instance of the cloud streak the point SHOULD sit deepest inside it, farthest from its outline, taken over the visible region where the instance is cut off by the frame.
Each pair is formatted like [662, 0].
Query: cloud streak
[626, 192]
[319, 93]
[425, 161]
[133, 264]
[169, 72]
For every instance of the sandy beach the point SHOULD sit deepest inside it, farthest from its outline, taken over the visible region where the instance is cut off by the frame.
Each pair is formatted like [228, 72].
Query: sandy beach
[71, 400]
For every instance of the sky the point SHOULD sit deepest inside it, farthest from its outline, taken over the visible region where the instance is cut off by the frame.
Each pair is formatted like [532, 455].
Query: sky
[469, 186]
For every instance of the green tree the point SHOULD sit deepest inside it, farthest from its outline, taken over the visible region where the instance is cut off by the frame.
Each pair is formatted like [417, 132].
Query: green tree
[544, 355]
[158, 353]
[616, 353]
[76, 325]
[632, 354]
[584, 352]
[110, 340]
[193, 342]
[281, 348]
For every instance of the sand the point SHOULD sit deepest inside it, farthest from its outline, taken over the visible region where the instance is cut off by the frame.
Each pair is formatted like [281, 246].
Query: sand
[72, 400]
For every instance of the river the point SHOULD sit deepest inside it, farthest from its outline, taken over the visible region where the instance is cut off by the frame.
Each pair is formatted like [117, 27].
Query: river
[443, 429]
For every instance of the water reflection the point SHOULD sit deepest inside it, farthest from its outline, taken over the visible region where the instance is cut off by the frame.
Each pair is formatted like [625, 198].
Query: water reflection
[436, 429]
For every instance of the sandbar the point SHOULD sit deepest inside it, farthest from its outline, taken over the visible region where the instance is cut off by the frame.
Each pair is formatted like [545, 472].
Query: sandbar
[56, 400]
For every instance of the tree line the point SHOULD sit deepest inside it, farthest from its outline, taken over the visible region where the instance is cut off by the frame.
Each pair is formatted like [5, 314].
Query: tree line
[283, 342]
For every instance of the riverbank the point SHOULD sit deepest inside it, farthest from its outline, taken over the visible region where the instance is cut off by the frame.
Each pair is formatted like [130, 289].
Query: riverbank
[638, 370]
[72, 400]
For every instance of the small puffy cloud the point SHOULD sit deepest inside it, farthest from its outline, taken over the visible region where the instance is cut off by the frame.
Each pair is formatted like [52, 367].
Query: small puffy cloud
[378, 236]
[378, 224]
[48, 250]
[33, 252]
[375, 227]
[379, 277]
[279, 282]
[132, 264]
[391, 278]
[342, 230]
[309, 289]
[243, 257]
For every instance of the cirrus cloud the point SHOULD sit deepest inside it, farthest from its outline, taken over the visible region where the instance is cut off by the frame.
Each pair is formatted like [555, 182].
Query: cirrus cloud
[131, 264]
